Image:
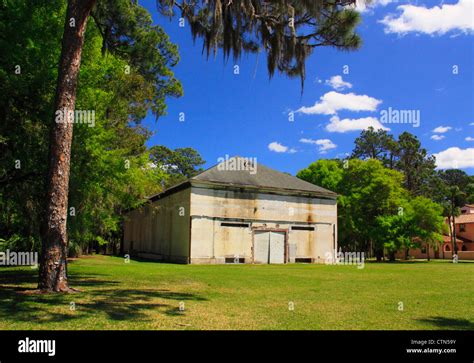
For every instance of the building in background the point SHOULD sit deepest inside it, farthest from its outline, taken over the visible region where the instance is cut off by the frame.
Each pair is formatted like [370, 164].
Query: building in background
[464, 227]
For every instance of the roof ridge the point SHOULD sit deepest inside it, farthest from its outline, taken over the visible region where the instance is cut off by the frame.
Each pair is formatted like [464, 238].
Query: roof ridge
[269, 178]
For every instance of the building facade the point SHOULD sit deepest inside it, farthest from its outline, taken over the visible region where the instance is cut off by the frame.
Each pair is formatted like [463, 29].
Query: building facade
[236, 216]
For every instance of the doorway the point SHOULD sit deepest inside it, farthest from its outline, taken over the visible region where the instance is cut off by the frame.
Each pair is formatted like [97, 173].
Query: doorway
[269, 247]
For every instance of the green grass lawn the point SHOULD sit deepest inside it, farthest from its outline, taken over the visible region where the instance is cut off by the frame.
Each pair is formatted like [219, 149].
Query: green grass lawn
[147, 295]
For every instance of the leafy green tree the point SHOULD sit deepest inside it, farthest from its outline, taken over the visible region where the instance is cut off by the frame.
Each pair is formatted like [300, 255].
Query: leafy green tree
[426, 222]
[27, 82]
[366, 191]
[419, 222]
[454, 186]
[325, 173]
[415, 163]
[376, 144]
[392, 233]
[375, 212]
[470, 190]
[405, 155]
[369, 190]
[109, 161]
[180, 164]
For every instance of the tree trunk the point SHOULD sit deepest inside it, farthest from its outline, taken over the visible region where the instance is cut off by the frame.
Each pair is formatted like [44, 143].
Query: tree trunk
[428, 250]
[379, 254]
[450, 233]
[391, 255]
[455, 249]
[53, 265]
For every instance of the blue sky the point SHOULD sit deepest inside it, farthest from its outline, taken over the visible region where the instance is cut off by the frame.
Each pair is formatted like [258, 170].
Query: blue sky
[416, 55]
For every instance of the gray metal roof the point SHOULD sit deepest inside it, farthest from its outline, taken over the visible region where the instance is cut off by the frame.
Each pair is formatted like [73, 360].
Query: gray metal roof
[260, 177]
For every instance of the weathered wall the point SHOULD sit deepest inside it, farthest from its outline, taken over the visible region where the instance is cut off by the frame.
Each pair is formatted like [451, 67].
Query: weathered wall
[160, 230]
[212, 243]
[261, 206]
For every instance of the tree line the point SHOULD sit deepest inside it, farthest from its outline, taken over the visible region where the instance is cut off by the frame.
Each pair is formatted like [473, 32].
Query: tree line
[112, 169]
[391, 196]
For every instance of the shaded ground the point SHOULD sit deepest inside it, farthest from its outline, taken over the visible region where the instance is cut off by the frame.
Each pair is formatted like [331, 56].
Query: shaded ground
[148, 295]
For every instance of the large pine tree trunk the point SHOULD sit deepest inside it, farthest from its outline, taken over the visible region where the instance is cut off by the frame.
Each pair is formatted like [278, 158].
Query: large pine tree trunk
[53, 265]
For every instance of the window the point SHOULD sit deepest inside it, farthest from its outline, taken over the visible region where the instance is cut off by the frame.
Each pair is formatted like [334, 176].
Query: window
[303, 260]
[232, 224]
[234, 260]
[462, 228]
[447, 248]
[302, 228]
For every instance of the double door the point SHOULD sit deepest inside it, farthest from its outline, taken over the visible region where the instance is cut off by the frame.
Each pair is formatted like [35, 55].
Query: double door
[269, 247]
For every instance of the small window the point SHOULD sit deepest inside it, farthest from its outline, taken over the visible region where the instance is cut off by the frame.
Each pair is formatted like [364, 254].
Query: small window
[302, 228]
[303, 260]
[447, 248]
[462, 228]
[230, 224]
[423, 249]
[234, 260]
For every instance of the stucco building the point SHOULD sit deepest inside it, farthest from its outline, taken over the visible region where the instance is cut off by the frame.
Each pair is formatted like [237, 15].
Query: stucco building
[236, 212]
[464, 235]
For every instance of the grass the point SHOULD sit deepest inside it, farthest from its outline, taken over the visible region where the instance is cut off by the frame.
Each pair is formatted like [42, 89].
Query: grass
[147, 295]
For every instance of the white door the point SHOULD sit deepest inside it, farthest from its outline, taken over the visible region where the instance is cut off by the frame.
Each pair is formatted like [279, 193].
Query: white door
[277, 247]
[269, 247]
[261, 247]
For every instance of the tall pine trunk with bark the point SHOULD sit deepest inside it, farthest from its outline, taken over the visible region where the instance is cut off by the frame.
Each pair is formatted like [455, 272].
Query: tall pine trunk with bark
[53, 264]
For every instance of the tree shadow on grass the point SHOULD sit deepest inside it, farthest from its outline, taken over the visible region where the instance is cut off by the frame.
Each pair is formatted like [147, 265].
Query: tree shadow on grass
[19, 302]
[448, 323]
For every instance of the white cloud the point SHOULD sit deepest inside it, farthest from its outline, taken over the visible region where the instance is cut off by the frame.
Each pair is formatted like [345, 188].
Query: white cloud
[442, 129]
[436, 20]
[347, 125]
[279, 148]
[437, 137]
[471, 124]
[332, 102]
[324, 144]
[363, 6]
[454, 158]
[469, 138]
[338, 83]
